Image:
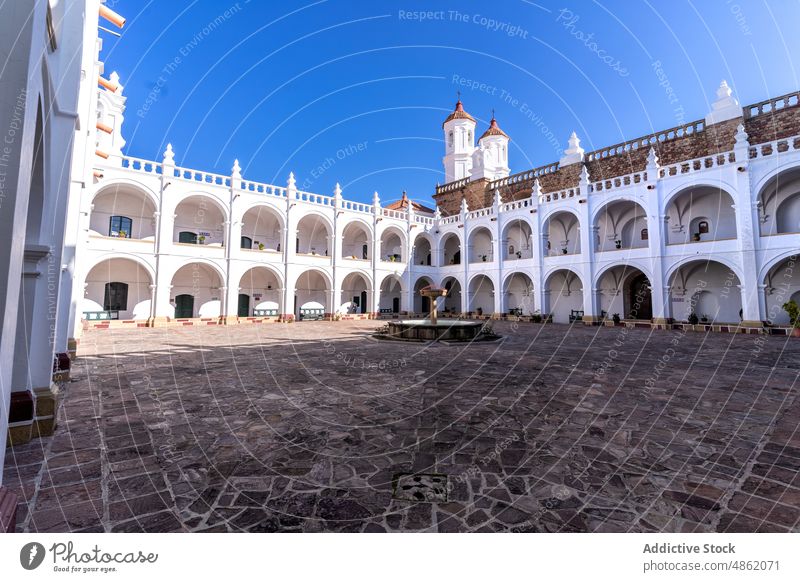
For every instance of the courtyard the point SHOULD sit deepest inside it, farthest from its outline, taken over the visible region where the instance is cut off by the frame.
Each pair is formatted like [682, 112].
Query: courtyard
[317, 426]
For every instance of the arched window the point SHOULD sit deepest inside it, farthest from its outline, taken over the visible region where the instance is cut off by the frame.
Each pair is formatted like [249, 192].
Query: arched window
[120, 226]
[247, 242]
[702, 227]
[645, 234]
[364, 252]
[450, 138]
[116, 297]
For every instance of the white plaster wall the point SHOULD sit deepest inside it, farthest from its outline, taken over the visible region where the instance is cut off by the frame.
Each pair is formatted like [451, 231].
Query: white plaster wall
[138, 208]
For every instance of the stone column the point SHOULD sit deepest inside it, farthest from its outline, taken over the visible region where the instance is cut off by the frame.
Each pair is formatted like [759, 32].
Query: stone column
[591, 313]
[656, 239]
[753, 313]
[537, 249]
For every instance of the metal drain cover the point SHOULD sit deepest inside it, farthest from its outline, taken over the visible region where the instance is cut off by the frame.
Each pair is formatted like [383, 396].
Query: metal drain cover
[420, 487]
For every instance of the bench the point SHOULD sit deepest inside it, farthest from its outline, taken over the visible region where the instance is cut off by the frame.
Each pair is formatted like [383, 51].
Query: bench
[576, 315]
[265, 313]
[310, 314]
[100, 315]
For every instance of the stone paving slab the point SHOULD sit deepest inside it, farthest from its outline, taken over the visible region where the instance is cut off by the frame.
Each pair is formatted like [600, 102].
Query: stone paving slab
[310, 427]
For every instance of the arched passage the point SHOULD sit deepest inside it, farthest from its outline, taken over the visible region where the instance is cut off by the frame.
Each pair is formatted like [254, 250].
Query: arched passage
[517, 240]
[452, 302]
[564, 296]
[626, 291]
[451, 249]
[621, 224]
[700, 214]
[196, 291]
[262, 229]
[259, 293]
[481, 295]
[117, 288]
[356, 294]
[423, 251]
[480, 245]
[779, 203]
[391, 294]
[312, 296]
[313, 236]
[518, 294]
[199, 220]
[356, 241]
[562, 234]
[123, 211]
[392, 245]
[781, 285]
[422, 304]
[707, 288]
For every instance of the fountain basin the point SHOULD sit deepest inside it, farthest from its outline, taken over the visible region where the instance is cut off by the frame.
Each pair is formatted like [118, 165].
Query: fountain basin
[424, 330]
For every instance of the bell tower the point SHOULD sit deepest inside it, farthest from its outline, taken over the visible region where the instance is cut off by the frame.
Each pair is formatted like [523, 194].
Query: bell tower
[459, 140]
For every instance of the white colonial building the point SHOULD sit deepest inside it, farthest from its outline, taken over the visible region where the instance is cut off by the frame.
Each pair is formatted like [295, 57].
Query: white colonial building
[713, 232]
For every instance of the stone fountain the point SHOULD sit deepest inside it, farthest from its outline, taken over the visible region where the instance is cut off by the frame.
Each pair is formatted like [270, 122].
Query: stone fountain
[431, 329]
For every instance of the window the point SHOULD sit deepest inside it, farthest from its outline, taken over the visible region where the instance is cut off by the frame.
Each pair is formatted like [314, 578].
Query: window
[247, 242]
[120, 226]
[116, 297]
[645, 235]
[450, 138]
[187, 238]
[364, 252]
[702, 227]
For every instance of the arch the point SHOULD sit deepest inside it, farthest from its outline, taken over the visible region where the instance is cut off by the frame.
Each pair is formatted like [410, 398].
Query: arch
[702, 258]
[618, 224]
[127, 212]
[356, 293]
[178, 199]
[271, 208]
[262, 285]
[518, 293]
[314, 235]
[420, 303]
[705, 287]
[699, 184]
[480, 245]
[451, 245]
[357, 240]
[391, 297]
[562, 233]
[481, 291]
[134, 274]
[781, 283]
[516, 240]
[311, 301]
[126, 182]
[691, 205]
[563, 294]
[361, 222]
[423, 249]
[453, 302]
[631, 263]
[193, 215]
[265, 230]
[202, 280]
[624, 289]
[393, 250]
[779, 202]
[151, 272]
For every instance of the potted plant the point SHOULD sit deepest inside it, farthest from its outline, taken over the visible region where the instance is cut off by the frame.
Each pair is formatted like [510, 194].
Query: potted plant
[261, 246]
[693, 319]
[479, 311]
[123, 234]
[618, 243]
[704, 318]
[793, 310]
[519, 254]
[564, 251]
[483, 258]
[536, 317]
[201, 239]
[696, 237]
[615, 318]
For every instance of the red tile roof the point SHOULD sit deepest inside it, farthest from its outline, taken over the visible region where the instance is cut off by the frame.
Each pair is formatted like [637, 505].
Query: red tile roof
[403, 203]
[459, 113]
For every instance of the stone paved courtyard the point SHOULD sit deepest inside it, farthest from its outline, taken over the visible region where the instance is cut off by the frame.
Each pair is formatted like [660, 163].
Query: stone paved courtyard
[318, 427]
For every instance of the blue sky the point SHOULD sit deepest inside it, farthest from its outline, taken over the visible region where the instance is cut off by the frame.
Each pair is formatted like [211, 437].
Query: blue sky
[355, 92]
